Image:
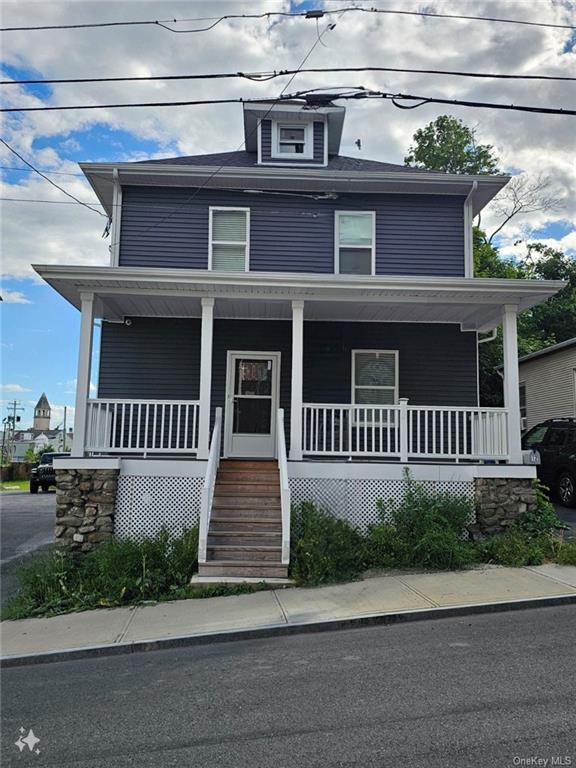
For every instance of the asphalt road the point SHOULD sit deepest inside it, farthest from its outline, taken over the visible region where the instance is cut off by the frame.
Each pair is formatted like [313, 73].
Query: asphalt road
[26, 523]
[482, 691]
[568, 516]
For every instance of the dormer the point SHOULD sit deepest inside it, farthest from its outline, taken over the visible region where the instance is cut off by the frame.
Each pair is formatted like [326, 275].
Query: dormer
[293, 133]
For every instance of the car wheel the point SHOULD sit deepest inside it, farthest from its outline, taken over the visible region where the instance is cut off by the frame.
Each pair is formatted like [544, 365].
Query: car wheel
[33, 487]
[45, 488]
[567, 489]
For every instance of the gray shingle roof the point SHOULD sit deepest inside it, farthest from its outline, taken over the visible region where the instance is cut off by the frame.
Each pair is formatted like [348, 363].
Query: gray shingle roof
[43, 402]
[244, 159]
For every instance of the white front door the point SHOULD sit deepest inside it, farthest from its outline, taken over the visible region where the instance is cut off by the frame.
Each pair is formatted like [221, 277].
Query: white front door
[252, 388]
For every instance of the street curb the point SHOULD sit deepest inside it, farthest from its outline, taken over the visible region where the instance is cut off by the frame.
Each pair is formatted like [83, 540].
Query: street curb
[276, 630]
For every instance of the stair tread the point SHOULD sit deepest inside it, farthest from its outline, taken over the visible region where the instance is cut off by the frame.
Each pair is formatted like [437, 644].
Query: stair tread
[243, 564]
[263, 547]
[236, 532]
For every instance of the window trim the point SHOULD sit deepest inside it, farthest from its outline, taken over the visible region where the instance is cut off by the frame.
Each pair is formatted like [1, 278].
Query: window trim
[246, 243]
[308, 153]
[396, 387]
[337, 215]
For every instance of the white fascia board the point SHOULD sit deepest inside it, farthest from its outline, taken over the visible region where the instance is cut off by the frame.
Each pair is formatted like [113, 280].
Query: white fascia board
[364, 286]
[88, 463]
[420, 471]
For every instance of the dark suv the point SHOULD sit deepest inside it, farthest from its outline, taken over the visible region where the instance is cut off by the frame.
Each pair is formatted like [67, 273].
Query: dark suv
[44, 475]
[555, 440]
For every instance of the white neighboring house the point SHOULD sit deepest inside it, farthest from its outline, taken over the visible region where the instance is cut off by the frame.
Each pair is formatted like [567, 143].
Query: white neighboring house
[548, 384]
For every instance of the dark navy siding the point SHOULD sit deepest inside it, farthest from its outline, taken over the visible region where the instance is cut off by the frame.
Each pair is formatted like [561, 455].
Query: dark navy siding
[415, 234]
[266, 145]
[436, 362]
[159, 358]
[154, 358]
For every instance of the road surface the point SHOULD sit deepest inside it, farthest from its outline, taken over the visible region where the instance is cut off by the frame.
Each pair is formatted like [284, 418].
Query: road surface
[26, 523]
[471, 692]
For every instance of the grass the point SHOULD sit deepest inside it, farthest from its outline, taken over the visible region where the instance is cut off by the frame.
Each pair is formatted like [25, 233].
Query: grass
[15, 485]
[120, 572]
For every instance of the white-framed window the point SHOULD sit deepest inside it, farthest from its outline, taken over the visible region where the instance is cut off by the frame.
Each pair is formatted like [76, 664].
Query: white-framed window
[229, 239]
[374, 377]
[292, 140]
[355, 242]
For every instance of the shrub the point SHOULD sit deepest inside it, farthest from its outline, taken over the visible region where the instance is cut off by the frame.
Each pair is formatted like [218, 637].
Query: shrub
[423, 530]
[566, 553]
[324, 548]
[515, 548]
[119, 572]
[543, 520]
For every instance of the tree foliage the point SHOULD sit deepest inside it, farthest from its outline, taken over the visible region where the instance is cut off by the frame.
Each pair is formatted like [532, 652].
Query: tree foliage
[546, 324]
[447, 144]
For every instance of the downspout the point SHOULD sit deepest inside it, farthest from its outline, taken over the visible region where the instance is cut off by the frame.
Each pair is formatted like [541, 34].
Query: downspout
[468, 238]
[492, 336]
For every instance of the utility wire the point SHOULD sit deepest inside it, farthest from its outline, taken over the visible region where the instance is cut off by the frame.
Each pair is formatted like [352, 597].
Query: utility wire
[311, 14]
[360, 94]
[263, 77]
[80, 202]
[44, 170]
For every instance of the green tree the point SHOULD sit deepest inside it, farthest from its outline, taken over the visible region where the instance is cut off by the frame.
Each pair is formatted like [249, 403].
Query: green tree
[447, 144]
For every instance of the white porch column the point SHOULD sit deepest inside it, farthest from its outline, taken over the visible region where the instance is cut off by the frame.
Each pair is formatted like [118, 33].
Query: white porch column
[83, 374]
[297, 380]
[205, 377]
[511, 381]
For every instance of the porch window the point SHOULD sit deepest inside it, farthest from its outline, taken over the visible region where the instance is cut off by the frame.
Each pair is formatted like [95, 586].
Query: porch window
[374, 377]
[229, 232]
[354, 239]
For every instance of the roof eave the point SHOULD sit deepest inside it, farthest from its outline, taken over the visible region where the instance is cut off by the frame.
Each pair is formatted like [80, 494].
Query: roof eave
[100, 177]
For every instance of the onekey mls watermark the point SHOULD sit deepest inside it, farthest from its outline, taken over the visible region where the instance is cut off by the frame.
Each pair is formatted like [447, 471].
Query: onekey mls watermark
[537, 761]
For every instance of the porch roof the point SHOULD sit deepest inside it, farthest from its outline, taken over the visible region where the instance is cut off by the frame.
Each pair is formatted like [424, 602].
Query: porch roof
[474, 303]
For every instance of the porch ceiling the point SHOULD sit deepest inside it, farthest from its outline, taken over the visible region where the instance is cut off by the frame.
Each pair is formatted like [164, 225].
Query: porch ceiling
[476, 304]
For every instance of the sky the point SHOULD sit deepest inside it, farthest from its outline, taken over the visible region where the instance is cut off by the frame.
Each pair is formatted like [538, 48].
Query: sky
[40, 330]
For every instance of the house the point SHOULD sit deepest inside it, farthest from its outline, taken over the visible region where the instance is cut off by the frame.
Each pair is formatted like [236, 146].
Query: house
[548, 384]
[39, 436]
[281, 324]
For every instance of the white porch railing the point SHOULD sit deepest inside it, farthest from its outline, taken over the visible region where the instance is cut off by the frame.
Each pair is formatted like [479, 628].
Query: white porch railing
[404, 432]
[208, 487]
[284, 486]
[142, 426]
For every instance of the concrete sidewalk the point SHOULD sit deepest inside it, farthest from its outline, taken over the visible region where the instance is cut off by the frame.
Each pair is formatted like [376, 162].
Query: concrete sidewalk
[293, 609]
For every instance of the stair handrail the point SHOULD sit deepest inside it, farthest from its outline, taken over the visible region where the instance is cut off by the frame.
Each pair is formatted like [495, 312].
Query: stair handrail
[208, 486]
[284, 486]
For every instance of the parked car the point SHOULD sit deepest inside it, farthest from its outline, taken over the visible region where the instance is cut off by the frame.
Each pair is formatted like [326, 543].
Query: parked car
[555, 440]
[43, 475]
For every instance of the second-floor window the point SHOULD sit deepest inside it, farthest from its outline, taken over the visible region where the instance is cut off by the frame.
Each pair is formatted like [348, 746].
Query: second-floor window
[229, 239]
[290, 141]
[355, 243]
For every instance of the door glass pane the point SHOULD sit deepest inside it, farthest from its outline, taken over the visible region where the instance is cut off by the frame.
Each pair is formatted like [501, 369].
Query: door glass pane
[374, 369]
[536, 437]
[292, 134]
[356, 229]
[252, 415]
[253, 377]
[355, 261]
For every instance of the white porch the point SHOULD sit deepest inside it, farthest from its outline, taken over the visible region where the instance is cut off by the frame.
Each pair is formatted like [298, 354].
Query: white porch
[402, 431]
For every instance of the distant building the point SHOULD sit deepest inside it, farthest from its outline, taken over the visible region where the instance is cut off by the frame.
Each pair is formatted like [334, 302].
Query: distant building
[40, 436]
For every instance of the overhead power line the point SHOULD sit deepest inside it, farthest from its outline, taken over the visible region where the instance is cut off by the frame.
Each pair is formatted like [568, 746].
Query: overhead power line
[65, 192]
[311, 14]
[263, 77]
[359, 93]
[44, 170]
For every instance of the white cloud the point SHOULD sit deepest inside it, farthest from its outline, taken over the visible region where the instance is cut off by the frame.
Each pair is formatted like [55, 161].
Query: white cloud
[70, 387]
[69, 234]
[14, 297]
[512, 248]
[14, 388]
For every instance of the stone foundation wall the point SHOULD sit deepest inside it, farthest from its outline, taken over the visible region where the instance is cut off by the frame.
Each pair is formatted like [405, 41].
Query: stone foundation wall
[85, 502]
[499, 501]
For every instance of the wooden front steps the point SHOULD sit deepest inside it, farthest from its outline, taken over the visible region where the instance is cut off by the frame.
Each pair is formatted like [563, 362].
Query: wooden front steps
[245, 533]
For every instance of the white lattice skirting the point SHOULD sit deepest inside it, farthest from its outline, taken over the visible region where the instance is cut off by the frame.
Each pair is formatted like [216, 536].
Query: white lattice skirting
[355, 500]
[145, 504]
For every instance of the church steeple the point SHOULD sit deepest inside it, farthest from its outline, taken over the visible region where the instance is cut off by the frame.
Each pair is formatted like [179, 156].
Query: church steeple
[42, 413]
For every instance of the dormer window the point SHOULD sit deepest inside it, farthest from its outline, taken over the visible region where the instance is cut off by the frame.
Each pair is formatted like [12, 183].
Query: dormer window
[292, 140]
